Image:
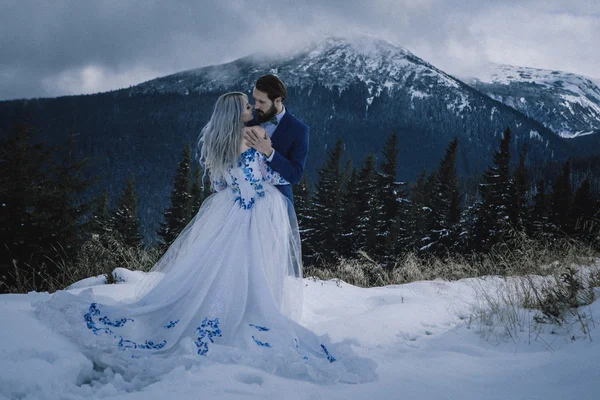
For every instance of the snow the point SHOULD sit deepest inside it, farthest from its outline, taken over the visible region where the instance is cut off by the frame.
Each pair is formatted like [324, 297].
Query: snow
[576, 105]
[459, 104]
[417, 93]
[422, 336]
[535, 135]
[580, 133]
[492, 112]
[332, 61]
[89, 282]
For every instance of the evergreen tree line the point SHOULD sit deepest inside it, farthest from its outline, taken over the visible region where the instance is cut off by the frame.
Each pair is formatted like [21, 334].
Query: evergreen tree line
[366, 211]
[187, 196]
[44, 221]
[40, 216]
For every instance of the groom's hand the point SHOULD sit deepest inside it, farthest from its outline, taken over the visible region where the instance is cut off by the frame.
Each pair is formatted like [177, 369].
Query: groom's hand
[257, 137]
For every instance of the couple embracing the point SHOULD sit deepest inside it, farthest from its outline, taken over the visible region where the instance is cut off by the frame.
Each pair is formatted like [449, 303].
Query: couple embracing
[229, 288]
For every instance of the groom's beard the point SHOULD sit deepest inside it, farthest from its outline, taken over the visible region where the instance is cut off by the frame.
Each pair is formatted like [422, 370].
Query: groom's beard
[265, 116]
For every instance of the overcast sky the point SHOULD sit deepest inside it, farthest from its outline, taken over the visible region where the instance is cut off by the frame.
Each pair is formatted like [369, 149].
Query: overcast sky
[60, 47]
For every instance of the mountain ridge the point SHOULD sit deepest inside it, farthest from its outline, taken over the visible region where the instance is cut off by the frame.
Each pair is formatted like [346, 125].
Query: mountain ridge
[567, 103]
[361, 93]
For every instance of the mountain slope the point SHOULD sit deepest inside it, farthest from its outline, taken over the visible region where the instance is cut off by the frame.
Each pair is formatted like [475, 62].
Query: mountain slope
[360, 90]
[345, 87]
[567, 103]
[335, 62]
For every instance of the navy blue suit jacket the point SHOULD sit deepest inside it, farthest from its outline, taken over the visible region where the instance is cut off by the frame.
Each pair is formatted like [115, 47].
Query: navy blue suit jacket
[290, 141]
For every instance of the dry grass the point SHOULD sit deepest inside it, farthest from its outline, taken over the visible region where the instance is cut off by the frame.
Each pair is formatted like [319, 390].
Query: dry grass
[520, 256]
[530, 304]
[100, 255]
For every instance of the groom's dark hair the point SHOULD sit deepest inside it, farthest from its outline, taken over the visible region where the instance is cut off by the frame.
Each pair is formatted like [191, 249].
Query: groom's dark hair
[272, 86]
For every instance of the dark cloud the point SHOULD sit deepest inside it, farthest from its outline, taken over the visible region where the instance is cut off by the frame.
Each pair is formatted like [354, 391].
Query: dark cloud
[69, 46]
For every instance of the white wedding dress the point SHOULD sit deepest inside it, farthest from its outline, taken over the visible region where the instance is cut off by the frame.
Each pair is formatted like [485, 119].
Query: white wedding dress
[229, 289]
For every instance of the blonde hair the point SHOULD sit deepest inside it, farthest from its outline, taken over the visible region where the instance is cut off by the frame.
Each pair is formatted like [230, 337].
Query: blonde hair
[221, 138]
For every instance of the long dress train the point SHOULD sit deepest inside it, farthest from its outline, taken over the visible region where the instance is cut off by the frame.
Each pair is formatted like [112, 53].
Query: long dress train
[229, 289]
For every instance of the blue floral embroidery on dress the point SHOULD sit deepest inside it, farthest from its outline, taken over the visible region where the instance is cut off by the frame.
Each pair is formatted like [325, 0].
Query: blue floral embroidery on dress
[260, 328]
[117, 324]
[255, 172]
[208, 329]
[147, 345]
[123, 343]
[255, 181]
[92, 312]
[329, 356]
[245, 205]
[262, 344]
[91, 324]
[171, 324]
[273, 177]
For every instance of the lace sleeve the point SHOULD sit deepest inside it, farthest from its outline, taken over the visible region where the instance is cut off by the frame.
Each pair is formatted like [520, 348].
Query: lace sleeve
[219, 185]
[268, 174]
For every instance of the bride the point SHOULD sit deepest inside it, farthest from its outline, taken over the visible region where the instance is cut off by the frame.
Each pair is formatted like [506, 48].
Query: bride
[229, 288]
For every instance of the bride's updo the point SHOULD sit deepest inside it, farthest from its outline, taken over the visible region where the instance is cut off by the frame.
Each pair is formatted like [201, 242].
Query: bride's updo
[221, 138]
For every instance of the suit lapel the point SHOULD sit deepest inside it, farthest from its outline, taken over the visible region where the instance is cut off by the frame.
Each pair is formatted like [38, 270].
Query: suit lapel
[282, 127]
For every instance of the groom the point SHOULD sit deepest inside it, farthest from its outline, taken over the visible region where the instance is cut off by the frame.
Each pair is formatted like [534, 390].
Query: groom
[280, 136]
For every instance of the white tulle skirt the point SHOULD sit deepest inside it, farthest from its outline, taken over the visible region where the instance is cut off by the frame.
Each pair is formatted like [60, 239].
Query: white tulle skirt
[229, 289]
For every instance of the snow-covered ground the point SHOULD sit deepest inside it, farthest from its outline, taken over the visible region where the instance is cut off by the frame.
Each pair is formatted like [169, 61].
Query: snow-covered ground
[422, 336]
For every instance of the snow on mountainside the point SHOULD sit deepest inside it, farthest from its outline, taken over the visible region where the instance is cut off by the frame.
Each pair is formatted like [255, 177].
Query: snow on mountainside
[334, 62]
[567, 103]
[366, 81]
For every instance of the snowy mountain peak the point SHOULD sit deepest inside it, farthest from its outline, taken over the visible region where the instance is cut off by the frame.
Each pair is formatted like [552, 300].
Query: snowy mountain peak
[505, 74]
[332, 62]
[371, 46]
[565, 102]
[378, 62]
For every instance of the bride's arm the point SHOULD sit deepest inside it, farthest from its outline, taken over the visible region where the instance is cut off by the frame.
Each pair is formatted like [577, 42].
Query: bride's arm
[219, 185]
[269, 174]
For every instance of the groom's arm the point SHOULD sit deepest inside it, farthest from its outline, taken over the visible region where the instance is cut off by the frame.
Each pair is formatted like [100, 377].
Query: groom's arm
[292, 168]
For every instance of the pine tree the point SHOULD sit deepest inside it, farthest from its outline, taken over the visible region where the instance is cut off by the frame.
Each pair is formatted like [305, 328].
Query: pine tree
[178, 215]
[560, 205]
[445, 203]
[350, 217]
[197, 193]
[100, 215]
[582, 212]
[322, 239]
[420, 210]
[25, 232]
[124, 217]
[302, 204]
[64, 198]
[370, 209]
[518, 207]
[395, 204]
[493, 215]
[387, 181]
[41, 212]
[538, 220]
